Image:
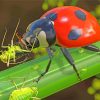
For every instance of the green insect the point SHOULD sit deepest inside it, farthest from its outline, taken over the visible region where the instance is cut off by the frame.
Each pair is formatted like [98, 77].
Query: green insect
[9, 55]
[26, 93]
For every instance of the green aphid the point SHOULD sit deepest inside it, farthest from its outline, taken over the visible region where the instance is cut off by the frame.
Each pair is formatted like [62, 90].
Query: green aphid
[24, 93]
[9, 55]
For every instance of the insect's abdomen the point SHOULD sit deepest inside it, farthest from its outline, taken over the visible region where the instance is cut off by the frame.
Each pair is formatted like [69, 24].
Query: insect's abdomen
[75, 27]
[22, 94]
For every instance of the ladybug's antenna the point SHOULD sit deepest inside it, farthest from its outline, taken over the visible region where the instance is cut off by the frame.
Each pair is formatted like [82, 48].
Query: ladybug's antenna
[19, 37]
[20, 40]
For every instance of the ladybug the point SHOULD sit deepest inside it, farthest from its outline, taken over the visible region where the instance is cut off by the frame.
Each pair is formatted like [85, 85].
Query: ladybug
[66, 27]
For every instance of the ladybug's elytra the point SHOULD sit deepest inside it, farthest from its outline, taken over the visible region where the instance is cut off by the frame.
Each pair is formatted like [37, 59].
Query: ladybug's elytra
[66, 27]
[74, 27]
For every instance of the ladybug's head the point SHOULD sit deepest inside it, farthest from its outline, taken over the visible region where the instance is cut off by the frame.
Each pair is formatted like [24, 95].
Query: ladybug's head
[39, 33]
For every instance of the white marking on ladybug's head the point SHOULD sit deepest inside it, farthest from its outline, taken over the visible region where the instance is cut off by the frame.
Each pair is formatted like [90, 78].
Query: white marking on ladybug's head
[42, 39]
[52, 22]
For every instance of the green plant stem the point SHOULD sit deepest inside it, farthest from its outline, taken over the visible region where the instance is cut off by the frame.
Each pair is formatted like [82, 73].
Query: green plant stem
[60, 76]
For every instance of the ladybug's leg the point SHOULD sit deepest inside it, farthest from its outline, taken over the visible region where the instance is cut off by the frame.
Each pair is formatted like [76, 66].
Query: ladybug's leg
[92, 48]
[48, 65]
[70, 60]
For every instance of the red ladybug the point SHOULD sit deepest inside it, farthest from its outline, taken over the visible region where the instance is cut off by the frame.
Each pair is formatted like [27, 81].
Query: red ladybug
[74, 26]
[66, 27]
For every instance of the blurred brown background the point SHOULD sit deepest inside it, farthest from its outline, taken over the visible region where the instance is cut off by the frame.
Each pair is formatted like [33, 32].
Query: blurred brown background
[28, 11]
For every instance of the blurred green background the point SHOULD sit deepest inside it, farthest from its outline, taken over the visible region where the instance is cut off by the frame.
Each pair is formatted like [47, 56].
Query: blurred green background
[30, 10]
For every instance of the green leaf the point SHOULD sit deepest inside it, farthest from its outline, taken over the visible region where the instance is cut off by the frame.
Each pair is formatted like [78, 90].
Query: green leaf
[60, 76]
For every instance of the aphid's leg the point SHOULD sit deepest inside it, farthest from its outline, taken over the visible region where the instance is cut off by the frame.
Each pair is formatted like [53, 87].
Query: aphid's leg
[20, 61]
[23, 83]
[14, 58]
[8, 60]
[35, 98]
[70, 60]
[92, 48]
[48, 65]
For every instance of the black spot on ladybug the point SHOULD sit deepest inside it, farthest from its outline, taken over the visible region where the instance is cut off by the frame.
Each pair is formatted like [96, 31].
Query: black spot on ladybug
[74, 34]
[52, 16]
[81, 15]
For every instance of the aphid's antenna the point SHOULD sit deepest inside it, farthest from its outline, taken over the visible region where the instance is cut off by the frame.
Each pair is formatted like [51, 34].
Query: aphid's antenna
[15, 31]
[14, 84]
[4, 37]
[23, 83]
